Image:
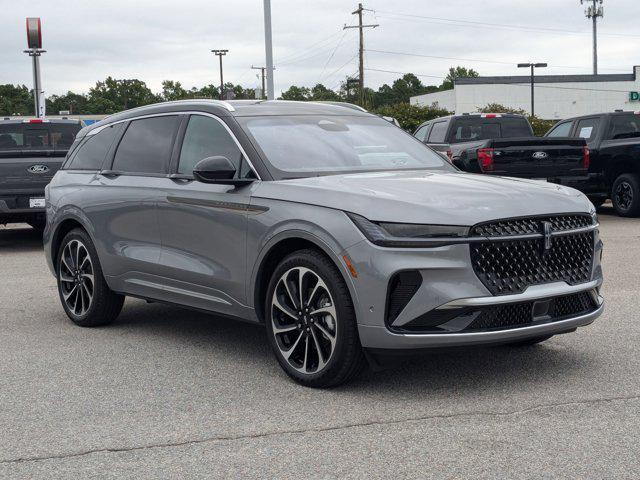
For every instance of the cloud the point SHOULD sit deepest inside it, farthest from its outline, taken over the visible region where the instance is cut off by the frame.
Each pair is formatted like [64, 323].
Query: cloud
[158, 40]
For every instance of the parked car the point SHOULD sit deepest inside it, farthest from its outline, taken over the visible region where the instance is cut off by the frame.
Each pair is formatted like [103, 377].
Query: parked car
[31, 151]
[503, 144]
[614, 144]
[338, 231]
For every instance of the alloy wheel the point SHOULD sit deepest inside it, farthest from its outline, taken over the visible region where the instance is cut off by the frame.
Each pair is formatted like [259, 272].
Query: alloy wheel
[304, 320]
[76, 275]
[624, 195]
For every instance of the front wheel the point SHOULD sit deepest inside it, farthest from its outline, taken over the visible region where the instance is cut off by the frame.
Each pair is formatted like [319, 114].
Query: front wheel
[625, 195]
[311, 323]
[85, 295]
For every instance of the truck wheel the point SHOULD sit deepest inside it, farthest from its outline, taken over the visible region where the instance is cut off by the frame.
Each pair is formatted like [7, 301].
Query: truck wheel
[625, 195]
[311, 323]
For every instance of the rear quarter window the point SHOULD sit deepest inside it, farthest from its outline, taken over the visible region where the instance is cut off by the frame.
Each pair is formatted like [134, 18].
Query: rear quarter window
[93, 151]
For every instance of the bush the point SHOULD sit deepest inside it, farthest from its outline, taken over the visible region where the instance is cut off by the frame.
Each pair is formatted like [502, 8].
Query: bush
[410, 116]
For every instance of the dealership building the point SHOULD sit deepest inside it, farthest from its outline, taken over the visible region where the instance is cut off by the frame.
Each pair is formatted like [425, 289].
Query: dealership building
[556, 96]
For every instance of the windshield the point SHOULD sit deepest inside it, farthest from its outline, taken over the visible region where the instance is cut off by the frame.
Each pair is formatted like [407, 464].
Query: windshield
[479, 128]
[37, 136]
[297, 146]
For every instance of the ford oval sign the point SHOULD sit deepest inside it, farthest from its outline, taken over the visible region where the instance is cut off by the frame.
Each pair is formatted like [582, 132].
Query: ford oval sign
[540, 155]
[37, 169]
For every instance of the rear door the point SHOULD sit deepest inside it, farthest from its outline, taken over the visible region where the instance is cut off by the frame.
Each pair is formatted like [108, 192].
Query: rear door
[204, 226]
[126, 193]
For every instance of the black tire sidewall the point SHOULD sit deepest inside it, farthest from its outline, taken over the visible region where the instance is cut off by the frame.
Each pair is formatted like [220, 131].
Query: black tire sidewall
[345, 323]
[634, 181]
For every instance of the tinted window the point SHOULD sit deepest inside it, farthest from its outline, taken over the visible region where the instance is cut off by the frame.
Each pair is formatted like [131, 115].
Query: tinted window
[37, 136]
[587, 128]
[482, 128]
[93, 151]
[421, 133]
[438, 132]
[561, 130]
[146, 145]
[624, 126]
[307, 145]
[514, 127]
[206, 137]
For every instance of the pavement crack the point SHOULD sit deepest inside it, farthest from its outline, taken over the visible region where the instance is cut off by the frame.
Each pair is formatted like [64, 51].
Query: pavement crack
[226, 438]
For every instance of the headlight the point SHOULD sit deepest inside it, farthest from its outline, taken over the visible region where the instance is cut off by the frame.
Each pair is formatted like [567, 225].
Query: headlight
[409, 235]
[594, 217]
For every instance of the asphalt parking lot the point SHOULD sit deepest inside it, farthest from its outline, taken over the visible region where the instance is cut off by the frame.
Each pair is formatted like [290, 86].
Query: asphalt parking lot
[169, 393]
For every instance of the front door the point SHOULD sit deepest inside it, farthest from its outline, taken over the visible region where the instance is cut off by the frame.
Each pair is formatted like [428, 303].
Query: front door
[203, 226]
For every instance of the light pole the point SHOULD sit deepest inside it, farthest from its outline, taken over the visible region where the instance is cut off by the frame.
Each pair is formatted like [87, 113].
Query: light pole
[532, 66]
[220, 53]
[268, 47]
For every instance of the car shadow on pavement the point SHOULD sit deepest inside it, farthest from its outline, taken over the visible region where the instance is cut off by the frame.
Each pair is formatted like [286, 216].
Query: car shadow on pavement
[452, 371]
[19, 239]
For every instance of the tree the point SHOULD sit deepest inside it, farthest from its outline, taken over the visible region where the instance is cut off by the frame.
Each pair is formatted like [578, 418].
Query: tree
[296, 93]
[173, 91]
[411, 116]
[123, 94]
[455, 73]
[16, 100]
[73, 102]
[321, 93]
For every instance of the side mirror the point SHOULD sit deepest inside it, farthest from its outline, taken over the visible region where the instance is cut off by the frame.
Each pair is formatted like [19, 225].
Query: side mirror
[217, 170]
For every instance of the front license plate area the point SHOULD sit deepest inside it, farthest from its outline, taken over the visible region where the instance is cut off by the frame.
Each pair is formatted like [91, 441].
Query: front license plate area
[36, 203]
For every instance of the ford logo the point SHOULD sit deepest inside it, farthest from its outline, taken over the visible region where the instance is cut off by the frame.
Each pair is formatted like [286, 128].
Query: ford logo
[540, 155]
[38, 169]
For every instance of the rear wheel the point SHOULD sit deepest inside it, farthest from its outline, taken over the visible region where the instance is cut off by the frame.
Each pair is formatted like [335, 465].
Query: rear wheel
[85, 296]
[311, 323]
[625, 195]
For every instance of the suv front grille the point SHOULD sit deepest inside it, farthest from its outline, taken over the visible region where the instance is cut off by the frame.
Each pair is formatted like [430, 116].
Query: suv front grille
[511, 265]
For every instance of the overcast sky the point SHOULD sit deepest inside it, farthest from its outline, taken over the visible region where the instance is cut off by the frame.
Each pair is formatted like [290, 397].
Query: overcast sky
[156, 40]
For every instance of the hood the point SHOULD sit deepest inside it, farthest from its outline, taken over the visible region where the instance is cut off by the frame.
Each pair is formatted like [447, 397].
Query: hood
[428, 197]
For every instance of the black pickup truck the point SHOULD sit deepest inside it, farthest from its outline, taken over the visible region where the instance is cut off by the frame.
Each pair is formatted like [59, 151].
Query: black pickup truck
[31, 152]
[503, 144]
[614, 144]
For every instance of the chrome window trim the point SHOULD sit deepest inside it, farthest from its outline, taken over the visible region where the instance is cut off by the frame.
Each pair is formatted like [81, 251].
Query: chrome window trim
[185, 112]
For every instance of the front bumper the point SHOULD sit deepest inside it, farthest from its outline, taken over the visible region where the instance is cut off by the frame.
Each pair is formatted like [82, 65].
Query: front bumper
[382, 338]
[449, 281]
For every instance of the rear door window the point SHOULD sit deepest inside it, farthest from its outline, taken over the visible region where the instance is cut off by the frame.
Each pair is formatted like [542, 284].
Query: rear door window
[561, 130]
[438, 132]
[91, 154]
[146, 145]
[587, 128]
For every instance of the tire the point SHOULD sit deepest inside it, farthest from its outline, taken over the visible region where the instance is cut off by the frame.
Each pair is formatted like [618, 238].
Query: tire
[85, 304]
[625, 195]
[323, 348]
[597, 201]
[530, 341]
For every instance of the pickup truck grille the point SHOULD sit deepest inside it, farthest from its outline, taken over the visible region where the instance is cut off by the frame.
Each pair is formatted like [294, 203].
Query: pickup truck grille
[507, 266]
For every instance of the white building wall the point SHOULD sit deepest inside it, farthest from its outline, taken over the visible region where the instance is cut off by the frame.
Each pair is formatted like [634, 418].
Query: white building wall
[552, 100]
[445, 99]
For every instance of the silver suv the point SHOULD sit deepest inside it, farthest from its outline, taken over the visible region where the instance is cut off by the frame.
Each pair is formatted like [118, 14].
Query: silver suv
[345, 236]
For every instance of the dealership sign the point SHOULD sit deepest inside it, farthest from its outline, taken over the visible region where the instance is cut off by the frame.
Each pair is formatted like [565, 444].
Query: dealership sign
[34, 33]
[634, 96]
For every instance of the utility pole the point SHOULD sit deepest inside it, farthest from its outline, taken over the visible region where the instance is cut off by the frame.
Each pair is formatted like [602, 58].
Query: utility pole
[220, 54]
[361, 27]
[262, 74]
[268, 47]
[532, 65]
[593, 12]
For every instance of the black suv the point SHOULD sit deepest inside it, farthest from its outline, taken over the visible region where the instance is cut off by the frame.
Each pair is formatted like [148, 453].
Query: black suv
[31, 152]
[614, 145]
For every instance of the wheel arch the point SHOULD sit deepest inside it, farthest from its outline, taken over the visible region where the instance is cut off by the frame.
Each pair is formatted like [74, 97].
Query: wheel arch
[64, 226]
[278, 248]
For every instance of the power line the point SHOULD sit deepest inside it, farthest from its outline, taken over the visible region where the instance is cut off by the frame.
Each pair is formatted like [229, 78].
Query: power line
[331, 56]
[476, 24]
[315, 54]
[305, 50]
[470, 59]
